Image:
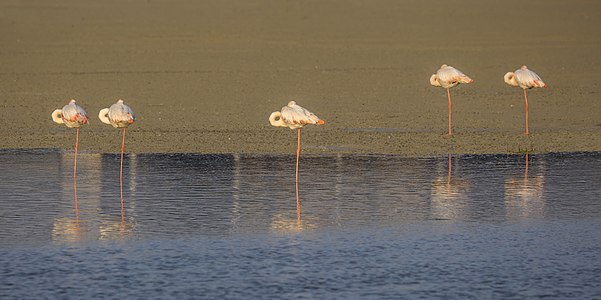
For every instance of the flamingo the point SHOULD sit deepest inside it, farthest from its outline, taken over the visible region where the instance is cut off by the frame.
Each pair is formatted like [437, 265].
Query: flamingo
[525, 79]
[120, 116]
[448, 77]
[73, 116]
[294, 116]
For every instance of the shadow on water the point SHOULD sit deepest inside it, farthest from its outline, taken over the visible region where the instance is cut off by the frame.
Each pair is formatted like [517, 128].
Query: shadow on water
[169, 195]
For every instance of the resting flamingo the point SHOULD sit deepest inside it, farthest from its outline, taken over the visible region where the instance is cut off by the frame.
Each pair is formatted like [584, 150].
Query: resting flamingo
[525, 79]
[448, 77]
[120, 116]
[73, 116]
[294, 116]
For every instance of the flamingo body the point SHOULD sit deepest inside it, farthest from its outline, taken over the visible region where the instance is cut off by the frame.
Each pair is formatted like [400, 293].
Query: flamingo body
[294, 116]
[72, 115]
[119, 115]
[524, 78]
[448, 77]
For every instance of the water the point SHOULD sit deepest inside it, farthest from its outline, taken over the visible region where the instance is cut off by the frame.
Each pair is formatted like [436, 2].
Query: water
[231, 226]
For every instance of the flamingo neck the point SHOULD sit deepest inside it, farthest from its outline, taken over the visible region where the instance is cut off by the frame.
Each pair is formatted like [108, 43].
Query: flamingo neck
[276, 119]
[103, 115]
[510, 79]
[434, 80]
[57, 116]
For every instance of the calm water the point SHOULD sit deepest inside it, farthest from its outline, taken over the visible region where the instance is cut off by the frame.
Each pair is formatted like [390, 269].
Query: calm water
[228, 226]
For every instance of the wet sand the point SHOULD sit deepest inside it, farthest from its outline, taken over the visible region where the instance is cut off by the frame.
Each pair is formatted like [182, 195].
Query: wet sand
[203, 76]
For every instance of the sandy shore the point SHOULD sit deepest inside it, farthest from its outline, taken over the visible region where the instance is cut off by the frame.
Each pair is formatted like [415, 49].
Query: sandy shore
[203, 76]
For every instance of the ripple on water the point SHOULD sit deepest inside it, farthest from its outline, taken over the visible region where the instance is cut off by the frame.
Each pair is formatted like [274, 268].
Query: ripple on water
[363, 226]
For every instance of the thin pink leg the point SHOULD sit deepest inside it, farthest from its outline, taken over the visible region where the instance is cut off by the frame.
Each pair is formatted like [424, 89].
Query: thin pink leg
[526, 100]
[297, 153]
[121, 173]
[450, 110]
[298, 208]
[75, 171]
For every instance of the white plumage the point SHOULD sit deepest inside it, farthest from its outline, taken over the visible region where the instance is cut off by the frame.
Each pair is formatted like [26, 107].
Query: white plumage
[119, 115]
[72, 115]
[524, 78]
[448, 77]
[294, 116]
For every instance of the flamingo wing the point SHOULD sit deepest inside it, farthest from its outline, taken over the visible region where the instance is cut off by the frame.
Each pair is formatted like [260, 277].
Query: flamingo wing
[528, 79]
[297, 115]
[74, 115]
[121, 114]
[450, 76]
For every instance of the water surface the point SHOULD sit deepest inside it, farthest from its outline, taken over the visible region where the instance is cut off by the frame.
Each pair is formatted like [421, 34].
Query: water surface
[232, 226]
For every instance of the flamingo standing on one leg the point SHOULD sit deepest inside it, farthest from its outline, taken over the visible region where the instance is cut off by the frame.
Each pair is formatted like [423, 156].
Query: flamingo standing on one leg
[525, 79]
[73, 116]
[448, 77]
[295, 117]
[120, 116]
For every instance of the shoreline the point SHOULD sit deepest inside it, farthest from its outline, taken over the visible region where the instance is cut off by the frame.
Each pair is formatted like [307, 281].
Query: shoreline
[390, 144]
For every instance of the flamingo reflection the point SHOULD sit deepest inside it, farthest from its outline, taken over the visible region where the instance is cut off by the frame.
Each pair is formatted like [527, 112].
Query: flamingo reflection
[67, 227]
[116, 229]
[68, 230]
[448, 194]
[524, 196]
[91, 221]
[284, 223]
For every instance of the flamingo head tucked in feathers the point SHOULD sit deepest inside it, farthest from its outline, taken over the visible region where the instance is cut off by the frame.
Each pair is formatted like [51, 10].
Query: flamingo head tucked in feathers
[510, 79]
[434, 80]
[57, 116]
[276, 119]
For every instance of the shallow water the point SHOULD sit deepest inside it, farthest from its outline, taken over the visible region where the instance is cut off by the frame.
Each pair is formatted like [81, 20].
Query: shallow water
[231, 226]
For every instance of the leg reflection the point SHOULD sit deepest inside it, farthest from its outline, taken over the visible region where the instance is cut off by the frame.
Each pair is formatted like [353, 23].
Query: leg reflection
[524, 197]
[298, 207]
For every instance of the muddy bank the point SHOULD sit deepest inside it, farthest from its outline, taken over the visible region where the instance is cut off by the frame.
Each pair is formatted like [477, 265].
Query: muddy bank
[203, 76]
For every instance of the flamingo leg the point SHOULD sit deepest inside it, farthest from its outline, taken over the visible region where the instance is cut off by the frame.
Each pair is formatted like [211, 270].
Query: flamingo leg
[298, 207]
[121, 172]
[450, 110]
[75, 170]
[298, 153]
[296, 192]
[298, 210]
[526, 100]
